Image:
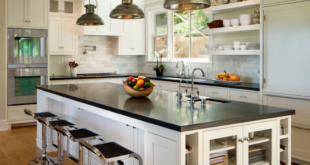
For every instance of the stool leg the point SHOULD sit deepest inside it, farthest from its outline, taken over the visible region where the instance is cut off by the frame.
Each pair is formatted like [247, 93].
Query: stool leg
[43, 140]
[60, 150]
[88, 152]
[81, 154]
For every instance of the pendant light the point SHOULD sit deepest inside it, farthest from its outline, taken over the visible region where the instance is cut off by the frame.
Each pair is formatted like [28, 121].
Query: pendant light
[90, 18]
[127, 10]
[186, 4]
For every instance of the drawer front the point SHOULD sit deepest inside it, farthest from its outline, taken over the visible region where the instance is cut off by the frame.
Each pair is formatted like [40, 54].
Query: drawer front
[16, 113]
[250, 97]
[188, 87]
[216, 92]
[168, 86]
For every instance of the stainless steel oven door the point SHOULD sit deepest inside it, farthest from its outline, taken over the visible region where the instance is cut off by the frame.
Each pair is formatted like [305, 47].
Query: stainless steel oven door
[27, 46]
[22, 82]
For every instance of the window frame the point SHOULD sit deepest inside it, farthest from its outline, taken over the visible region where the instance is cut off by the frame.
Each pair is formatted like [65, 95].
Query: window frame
[151, 13]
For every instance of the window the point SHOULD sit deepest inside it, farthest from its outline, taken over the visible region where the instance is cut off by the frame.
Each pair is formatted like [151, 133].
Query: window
[180, 32]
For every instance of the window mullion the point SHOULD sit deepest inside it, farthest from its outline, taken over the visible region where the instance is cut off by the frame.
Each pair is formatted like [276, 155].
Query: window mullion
[190, 34]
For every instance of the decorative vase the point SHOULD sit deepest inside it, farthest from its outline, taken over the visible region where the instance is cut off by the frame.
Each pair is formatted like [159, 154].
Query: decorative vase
[73, 72]
[159, 71]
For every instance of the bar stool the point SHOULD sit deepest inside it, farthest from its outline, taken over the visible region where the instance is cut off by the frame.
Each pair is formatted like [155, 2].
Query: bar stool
[76, 135]
[109, 152]
[43, 159]
[52, 125]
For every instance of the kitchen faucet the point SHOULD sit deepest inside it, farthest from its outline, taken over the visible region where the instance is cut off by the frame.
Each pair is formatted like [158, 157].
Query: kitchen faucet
[192, 96]
[181, 73]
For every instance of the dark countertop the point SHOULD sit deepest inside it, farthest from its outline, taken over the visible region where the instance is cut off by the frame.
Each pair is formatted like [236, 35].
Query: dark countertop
[245, 86]
[162, 108]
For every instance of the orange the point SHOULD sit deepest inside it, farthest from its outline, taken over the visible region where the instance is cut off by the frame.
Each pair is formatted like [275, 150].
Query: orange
[140, 83]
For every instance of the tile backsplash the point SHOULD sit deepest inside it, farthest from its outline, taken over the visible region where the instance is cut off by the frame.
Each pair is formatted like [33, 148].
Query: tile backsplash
[101, 60]
[98, 61]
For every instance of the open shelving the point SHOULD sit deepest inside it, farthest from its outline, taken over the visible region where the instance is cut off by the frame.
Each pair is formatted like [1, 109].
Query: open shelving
[284, 136]
[232, 6]
[258, 141]
[232, 29]
[218, 147]
[230, 52]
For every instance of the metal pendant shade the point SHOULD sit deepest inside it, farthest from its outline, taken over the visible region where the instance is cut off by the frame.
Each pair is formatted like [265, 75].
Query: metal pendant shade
[186, 4]
[127, 10]
[90, 18]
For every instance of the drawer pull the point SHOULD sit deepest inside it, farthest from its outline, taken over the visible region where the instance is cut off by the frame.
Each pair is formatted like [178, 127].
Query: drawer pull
[215, 93]
[160, 86]
[242, 96]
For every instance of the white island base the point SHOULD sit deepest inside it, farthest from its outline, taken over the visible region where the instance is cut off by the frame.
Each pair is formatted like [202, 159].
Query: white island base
[162, 146]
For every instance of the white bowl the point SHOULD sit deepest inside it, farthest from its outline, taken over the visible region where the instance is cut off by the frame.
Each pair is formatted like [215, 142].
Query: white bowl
[237, 42]
[227, 23]
[245, 15]
[236, 47]
[243, 47]
[220, 48]
[210, 47]
[245, 22]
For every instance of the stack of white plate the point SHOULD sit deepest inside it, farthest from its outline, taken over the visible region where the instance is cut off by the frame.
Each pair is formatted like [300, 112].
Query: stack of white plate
[252, 46]
[245, 19]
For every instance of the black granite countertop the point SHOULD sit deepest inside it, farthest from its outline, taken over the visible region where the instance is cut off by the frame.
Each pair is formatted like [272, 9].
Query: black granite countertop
[162, 108]
[245, 86]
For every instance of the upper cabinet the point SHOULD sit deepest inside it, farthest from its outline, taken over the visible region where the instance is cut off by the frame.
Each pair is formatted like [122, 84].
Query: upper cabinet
[27, 14]
[62, 8]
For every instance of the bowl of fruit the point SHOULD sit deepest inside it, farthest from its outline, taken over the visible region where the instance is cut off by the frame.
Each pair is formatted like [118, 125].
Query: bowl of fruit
[138, 87]
[226, 78]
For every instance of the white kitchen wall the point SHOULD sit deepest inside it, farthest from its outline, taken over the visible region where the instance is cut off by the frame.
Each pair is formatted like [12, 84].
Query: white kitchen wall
[247, 67]
[98, 61]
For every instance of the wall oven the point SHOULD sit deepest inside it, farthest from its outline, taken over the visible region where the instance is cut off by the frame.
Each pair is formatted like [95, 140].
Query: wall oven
[27, 64]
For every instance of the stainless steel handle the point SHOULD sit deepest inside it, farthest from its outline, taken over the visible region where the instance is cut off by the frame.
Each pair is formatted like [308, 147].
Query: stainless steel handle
[26, 21]
[134, 127]
[215, 93]
[242, 96]
[160, 86]
[241, 140]
[127, 125]
[29, 21]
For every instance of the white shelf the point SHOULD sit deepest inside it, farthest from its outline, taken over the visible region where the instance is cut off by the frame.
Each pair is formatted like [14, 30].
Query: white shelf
[232, 29]
[260, 163]
[232, 6]
[284, 136]
[220, 147]
[258, 141]
[230, 52]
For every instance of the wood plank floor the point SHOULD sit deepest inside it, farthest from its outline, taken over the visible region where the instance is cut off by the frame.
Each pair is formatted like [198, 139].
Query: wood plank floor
[18, 146]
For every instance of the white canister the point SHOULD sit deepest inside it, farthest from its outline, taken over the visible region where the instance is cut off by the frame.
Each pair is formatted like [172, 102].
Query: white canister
[73, 72]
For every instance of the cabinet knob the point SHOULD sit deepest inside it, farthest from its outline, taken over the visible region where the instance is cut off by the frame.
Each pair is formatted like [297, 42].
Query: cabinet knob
[127, 125]
[241, 140]
[134, 127]
[215, 93]
[243, 96]
[247, 139]
[29, 21]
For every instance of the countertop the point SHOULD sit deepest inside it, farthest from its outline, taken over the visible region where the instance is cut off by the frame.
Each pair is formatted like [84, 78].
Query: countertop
[162, 108]
[245, 86]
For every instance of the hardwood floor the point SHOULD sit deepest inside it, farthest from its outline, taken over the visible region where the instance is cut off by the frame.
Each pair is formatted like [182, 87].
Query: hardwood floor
[18, 146]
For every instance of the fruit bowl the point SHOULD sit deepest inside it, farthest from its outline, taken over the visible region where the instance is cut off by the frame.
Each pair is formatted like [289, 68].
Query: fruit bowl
[137, 92]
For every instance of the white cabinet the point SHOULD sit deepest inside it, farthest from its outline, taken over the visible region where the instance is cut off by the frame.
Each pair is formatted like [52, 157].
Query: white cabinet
[63, 39]
[111, 27]
[238, 142]
[133, 43]
[244, 96]
[168, 86]
[160, 150]
[27, 13]
[285, 57]
[221, 93]
[16, 113]
[64, 8]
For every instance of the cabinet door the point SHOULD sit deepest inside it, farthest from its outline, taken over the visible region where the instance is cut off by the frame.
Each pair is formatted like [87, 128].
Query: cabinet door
[260, 138]
[161, 151]
[117, 25]
[68, 8]
[223, 142]
[138, 38]
[122, 134]
[104, 8]
[125, 42]
[55, 8]
[17, 13]
[281, 53]
[55, 35]
[68, 36]
[37, 14]
[221, 93]
[244, 96]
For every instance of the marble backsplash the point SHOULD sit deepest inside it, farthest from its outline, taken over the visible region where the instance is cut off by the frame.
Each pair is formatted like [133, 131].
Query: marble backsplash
[247, 67]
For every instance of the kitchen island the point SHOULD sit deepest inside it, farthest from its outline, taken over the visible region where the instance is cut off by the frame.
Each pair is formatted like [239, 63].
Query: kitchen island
[159, 127]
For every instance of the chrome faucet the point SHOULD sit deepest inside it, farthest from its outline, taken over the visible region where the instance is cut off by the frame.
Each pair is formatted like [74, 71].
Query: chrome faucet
[192, 96]
[181, 73]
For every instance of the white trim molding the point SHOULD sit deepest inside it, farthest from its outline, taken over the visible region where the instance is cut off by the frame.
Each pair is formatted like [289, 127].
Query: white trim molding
[4, 126]
[153, 1]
